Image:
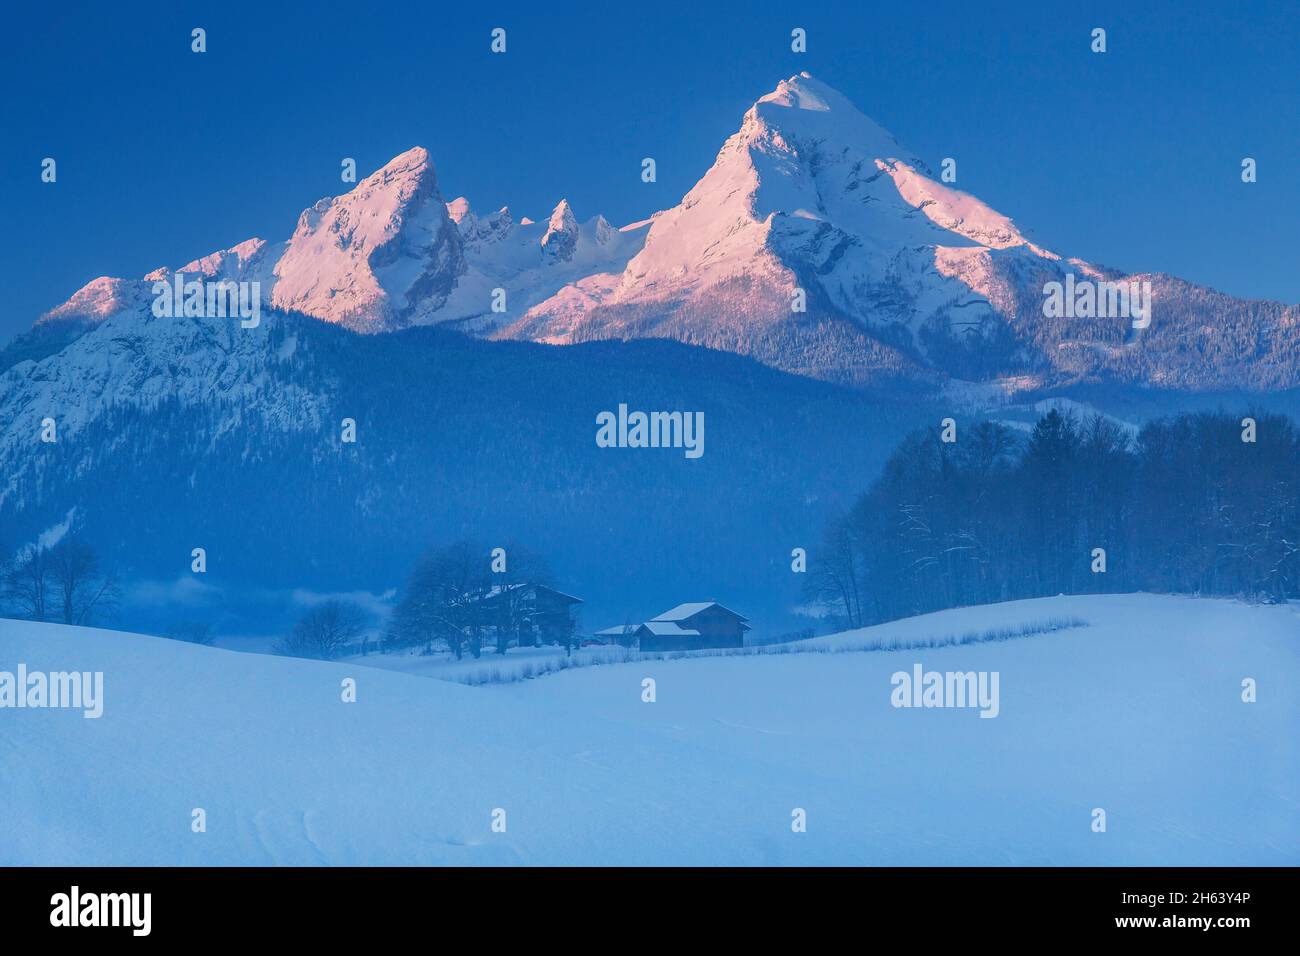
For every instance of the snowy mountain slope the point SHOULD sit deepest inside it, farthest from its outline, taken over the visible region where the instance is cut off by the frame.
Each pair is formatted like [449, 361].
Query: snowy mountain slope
[365, 259]
[373, 256]
[102, 298]
[501, 253]
[903, 275]
[130, 364]
[388, 254]
[1138, 713]
[810, 194]
[176, 433]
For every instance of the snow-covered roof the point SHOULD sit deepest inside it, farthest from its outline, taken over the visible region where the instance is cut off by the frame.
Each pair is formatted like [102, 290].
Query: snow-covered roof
[501, 589]
[682, 611]
[569, 597]
[668, 629]
[618, 631]
[498, 589]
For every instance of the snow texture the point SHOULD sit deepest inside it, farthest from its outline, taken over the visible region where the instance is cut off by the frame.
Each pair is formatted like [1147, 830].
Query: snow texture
[1138, 713]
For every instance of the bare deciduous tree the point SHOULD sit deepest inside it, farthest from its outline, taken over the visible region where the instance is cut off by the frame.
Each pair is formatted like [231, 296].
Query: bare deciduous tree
[60, 583]
[458, 595]
[324, 631]
[81, 590]
[27, 585]
[443, 601]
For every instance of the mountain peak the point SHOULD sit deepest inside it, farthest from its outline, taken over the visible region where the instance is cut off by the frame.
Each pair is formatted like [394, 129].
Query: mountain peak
[809, 193]
[369, 257]
[561, 232]
[808, 201]
[458, 209]
[97, 300]
[232, 263]
[562, 216]
[806, 110]
[408, 178]
[416, 160]
[803, 92]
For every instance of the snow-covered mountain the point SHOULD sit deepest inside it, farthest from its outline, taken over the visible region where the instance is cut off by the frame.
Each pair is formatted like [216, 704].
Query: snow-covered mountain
[902, 274]
[529, 260]
[815, 243]
[809, 194]
[175, 433]
[389, 254]
[126, 363]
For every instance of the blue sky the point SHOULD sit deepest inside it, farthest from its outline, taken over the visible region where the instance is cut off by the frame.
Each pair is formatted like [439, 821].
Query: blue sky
[1131, 158]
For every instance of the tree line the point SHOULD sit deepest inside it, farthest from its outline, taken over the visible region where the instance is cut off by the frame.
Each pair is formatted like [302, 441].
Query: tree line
[1205, 503]
[467, 598]
[63, 582]
[463, 596]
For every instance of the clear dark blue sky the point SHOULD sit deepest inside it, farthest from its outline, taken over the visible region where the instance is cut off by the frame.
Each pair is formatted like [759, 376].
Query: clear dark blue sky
[1131, 158]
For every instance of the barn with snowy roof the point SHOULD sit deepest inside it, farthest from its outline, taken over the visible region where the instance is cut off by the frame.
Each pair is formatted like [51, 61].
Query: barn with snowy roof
[689, 627]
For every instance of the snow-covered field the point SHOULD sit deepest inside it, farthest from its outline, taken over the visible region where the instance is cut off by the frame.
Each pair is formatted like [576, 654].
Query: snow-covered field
[1139, 713]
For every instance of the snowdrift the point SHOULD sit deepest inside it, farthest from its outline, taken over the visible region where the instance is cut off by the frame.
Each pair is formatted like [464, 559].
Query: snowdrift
[1139, 713]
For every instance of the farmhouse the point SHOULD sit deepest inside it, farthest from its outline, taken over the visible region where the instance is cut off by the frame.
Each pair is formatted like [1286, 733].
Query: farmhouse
[532, 614]
[687, 627]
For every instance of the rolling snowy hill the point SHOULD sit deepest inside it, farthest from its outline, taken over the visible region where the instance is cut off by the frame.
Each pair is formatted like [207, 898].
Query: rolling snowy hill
[1138, 713]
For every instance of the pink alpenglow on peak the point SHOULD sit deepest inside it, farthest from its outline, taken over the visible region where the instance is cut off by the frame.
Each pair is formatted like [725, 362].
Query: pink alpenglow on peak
[376, 257]
[561, 233]
[391, 253]
[458, 209]
[100, 299]
[815, 242]
[232, 263]
[815, 225]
